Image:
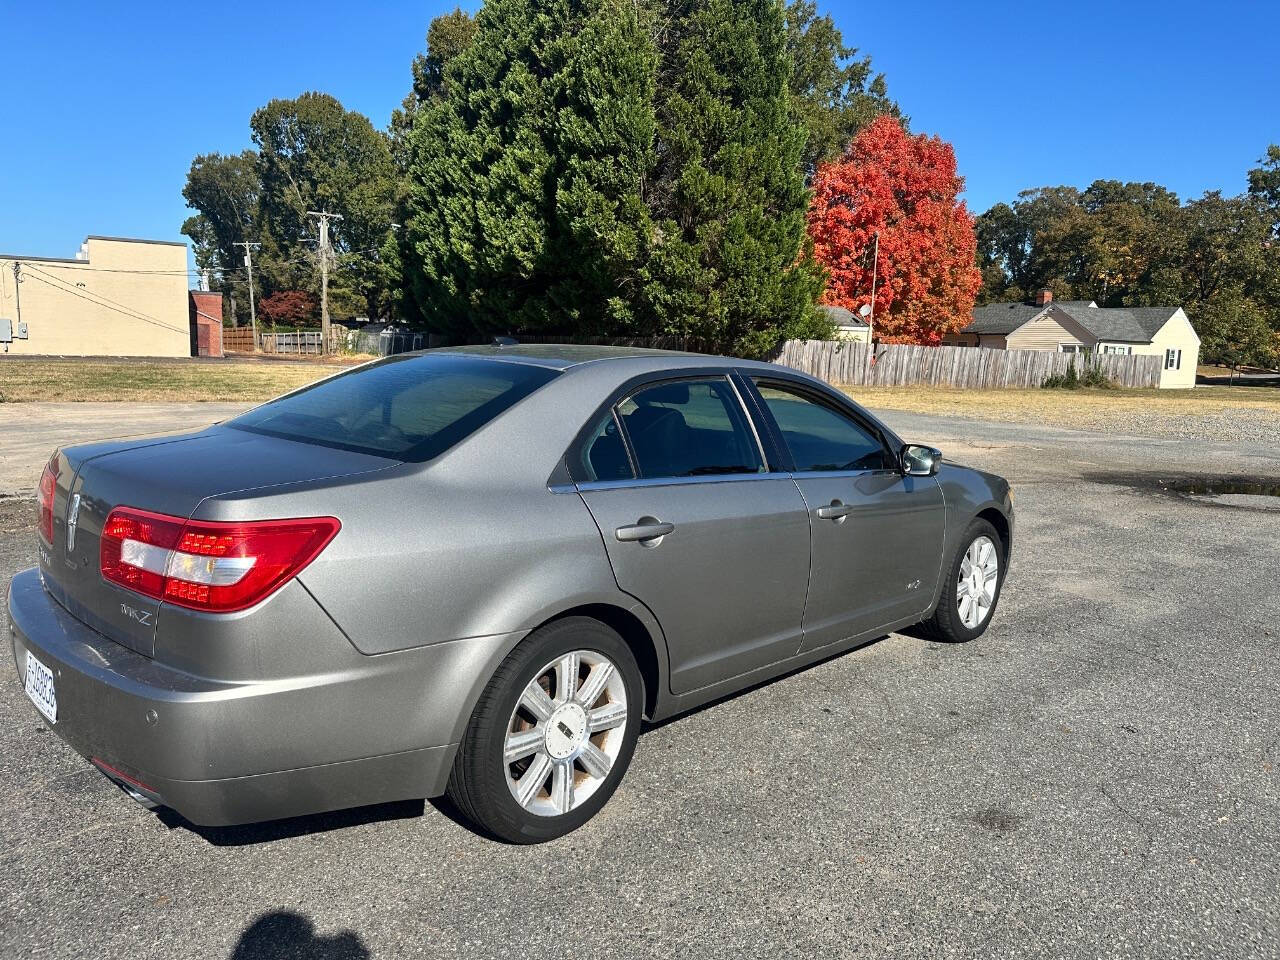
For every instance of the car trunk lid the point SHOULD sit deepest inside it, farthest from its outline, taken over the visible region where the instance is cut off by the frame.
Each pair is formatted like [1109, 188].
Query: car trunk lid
[169, 475]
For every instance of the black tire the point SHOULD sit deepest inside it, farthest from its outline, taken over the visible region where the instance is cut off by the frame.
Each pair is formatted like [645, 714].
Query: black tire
[478, 784]
[945, 624]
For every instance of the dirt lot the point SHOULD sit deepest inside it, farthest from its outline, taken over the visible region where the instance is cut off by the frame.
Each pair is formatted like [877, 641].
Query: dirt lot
[1097, 776]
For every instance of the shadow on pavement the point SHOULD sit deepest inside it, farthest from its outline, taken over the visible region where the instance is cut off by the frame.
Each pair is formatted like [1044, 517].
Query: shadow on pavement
[287, 934]
[294, 826]
[405, 809]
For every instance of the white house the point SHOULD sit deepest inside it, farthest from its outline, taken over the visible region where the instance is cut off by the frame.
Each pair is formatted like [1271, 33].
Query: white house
[1078, 326]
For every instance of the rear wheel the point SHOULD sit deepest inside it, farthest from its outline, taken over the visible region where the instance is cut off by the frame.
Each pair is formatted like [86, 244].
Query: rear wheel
[972, 588]
[552, 734]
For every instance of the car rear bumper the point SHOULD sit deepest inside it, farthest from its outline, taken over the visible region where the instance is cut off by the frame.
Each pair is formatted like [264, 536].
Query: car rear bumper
[225, 753]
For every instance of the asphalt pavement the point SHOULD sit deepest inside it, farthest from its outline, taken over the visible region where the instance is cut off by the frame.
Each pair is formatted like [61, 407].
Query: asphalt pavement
[1097, 776]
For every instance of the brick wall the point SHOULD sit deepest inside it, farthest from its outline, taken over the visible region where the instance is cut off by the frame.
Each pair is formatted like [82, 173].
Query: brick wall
[206, 323]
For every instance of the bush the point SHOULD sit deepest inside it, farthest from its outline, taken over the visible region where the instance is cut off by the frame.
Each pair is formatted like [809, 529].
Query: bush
[1073, 380]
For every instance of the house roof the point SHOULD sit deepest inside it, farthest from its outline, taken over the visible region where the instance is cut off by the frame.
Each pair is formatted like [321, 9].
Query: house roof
[998, 319]
[842, 317]
[1125, 324]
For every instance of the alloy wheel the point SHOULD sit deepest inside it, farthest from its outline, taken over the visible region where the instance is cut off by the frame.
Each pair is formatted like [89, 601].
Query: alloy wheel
[977, 582]
[565, 733]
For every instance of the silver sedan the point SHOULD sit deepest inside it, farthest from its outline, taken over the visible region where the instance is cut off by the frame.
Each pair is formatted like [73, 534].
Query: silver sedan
[477, 571]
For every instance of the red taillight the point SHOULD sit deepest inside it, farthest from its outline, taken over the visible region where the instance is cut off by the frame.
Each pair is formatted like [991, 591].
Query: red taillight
[208, 565]
[48, 483]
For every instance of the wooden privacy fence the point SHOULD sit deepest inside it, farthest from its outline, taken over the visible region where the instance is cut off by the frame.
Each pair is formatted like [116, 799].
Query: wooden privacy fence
[238, 339]
[303, 341]
[974, 367]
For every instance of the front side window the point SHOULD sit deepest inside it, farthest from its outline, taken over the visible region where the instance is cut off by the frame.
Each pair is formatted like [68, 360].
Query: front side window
[820, 437]
[689, 428]
[1173, 359]
[409, 407]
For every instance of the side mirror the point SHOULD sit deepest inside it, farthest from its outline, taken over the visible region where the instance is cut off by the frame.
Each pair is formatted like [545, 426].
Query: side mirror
[920, 461]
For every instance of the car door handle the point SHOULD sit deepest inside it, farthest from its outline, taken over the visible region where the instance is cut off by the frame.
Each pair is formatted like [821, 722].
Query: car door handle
[646, 529]
[836, 511]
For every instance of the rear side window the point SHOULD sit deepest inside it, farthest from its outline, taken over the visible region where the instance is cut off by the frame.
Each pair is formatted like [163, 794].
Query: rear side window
[409, 408]
[604, 454]
[689, 428]
[819, 437]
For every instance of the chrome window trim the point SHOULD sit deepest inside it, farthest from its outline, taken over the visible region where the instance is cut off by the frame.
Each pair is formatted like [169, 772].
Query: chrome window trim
[671, 481]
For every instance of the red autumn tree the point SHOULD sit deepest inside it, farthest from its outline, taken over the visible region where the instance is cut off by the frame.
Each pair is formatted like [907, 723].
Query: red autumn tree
[290, 308]
[906, 188]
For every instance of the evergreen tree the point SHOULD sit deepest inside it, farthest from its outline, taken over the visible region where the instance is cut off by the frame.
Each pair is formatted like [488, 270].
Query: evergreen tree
[833, 91]
[525, 199]
[728, 260]
[448, 35]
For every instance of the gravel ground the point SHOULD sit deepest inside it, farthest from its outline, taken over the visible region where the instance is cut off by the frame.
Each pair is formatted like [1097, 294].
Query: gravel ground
[1097, 776]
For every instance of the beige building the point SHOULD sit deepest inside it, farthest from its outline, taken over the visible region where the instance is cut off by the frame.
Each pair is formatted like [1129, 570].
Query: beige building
[848, 325]
[116, 297]
[1081, 326]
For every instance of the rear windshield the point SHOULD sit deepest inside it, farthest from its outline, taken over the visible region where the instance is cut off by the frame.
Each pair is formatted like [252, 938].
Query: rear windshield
[406, 407]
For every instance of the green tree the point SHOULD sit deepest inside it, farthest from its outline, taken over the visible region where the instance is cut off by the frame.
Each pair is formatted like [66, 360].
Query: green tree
[448, 35]
[1134, 244]
[315, 155]
[526, 207]
[1264, 186]
[833, 91]
[224, 189]
[1017, 247]
[1234, 332]
[729, 261]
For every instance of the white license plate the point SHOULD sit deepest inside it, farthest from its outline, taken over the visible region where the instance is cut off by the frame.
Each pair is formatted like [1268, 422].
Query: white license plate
[40, 688]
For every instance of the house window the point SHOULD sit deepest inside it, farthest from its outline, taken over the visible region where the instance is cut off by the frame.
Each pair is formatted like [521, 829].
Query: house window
[1112, 349]
[1173, 359]
[1070, 348]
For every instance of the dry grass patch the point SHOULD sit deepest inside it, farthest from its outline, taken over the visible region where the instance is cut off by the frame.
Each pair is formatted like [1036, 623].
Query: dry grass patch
[1070, 408]
[155, 381]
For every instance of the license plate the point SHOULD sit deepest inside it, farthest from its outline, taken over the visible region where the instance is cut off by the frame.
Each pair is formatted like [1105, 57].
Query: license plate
[40, 688]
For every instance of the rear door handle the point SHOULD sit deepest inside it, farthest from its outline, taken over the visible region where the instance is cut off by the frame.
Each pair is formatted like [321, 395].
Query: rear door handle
[646, 528]
[836, 511]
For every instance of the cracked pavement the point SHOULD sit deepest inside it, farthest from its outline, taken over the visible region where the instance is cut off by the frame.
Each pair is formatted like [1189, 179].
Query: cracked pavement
[1097, 776]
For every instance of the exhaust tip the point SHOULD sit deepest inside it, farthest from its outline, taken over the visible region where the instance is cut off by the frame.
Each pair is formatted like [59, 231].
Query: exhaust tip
[134, 788]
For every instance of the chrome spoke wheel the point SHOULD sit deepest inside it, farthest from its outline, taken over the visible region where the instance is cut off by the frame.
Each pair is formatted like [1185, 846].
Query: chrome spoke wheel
[977, 582]
[565, 733]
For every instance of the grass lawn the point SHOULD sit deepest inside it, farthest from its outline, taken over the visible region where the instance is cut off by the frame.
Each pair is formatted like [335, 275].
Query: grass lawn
[1068, 408]
[156, 381]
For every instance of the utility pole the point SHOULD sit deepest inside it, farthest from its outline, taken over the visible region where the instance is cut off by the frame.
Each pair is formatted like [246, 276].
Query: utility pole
[248, 263]
[871, 319]
[326, 251]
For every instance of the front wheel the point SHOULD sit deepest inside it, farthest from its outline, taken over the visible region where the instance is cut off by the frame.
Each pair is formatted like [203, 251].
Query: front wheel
[972, 588]
[552, 734]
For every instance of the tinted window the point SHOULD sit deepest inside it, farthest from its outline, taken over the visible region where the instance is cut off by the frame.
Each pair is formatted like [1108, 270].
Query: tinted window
[819, 437]
[689, 428]
[604, 455]
[406, 407]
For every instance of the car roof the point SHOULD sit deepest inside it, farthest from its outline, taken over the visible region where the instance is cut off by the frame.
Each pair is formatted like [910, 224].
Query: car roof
[562, 356]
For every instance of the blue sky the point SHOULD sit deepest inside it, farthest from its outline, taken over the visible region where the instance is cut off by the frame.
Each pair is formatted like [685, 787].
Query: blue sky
[105, 109]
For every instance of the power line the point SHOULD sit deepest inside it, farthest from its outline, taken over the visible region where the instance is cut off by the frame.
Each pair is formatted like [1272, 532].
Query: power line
[79, 269]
